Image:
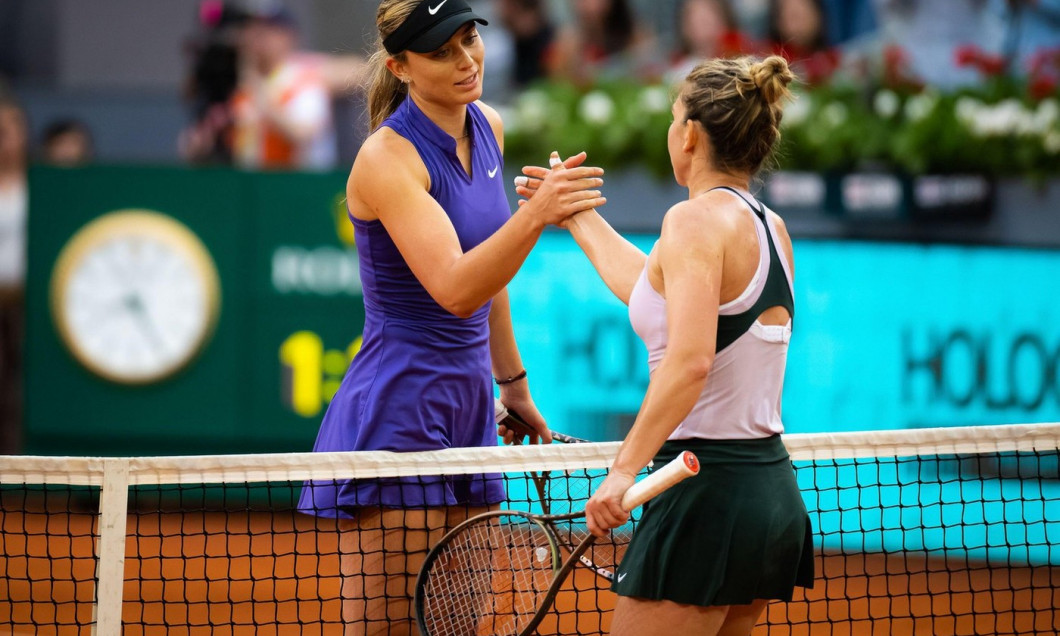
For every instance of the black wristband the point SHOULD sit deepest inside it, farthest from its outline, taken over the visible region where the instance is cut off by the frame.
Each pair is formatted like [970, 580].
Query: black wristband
[514, 378]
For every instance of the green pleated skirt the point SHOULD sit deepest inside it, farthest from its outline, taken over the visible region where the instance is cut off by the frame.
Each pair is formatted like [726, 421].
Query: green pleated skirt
[736, 532]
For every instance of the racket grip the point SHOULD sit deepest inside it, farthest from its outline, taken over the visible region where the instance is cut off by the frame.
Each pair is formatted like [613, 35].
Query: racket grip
[681, 467]
[499, 411]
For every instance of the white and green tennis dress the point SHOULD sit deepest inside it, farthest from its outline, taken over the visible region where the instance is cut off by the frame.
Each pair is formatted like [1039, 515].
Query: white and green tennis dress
[739, 530]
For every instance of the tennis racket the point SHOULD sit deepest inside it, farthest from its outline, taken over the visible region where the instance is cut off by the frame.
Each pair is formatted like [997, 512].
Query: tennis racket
[570, 486]
[499, 572]
[514, 421]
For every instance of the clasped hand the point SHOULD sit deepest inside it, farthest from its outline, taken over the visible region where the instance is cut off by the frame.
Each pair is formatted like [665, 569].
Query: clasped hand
[557, 193]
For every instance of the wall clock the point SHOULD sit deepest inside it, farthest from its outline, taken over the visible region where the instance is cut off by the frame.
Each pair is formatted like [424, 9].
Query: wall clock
[135, 296]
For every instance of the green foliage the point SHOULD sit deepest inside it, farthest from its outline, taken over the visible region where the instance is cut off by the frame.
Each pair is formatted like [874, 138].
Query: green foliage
[995, 129]
[618, 124]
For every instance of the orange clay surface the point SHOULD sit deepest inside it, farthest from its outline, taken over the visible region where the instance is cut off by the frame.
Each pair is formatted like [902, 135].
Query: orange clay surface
[260, 574]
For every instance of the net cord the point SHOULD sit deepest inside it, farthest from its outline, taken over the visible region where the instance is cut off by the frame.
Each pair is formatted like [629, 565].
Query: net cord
[199, 469]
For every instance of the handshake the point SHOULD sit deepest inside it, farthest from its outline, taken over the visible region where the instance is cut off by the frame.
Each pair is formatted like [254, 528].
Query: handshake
[564, 189]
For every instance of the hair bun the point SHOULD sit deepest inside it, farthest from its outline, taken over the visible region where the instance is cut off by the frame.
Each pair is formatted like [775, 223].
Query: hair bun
[771, 76]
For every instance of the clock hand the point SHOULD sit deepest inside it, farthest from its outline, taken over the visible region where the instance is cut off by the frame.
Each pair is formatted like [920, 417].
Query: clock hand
[136, 305]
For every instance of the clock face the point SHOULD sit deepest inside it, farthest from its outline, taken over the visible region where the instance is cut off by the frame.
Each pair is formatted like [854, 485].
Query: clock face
[135, 296]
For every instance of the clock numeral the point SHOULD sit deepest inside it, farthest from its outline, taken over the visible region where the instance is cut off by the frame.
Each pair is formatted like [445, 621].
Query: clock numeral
[310, 374]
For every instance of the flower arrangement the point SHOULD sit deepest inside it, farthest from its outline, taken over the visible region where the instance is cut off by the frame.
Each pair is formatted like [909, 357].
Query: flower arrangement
[617, 123]
[1004, 126]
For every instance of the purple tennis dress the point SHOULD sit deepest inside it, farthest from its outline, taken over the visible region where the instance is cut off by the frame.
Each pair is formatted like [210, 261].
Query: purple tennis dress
[422, 379]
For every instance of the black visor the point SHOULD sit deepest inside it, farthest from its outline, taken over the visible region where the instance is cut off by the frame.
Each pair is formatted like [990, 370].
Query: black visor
[429, 26]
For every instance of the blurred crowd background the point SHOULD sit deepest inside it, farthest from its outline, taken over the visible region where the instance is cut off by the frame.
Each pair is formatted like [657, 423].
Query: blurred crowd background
[259, 83]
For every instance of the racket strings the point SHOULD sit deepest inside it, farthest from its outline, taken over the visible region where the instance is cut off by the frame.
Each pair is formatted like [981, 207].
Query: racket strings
[568, 491]
[489, 579]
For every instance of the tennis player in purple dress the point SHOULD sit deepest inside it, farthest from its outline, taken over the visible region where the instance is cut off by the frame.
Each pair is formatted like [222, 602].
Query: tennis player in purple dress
[421, 380]
[437, 245]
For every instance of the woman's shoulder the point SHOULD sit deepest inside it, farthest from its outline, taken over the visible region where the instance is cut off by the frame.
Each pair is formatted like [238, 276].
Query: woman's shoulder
[713, 209]
[712, 216]
[383, 155]
[492, 117]
[489, 112]
[383, 146]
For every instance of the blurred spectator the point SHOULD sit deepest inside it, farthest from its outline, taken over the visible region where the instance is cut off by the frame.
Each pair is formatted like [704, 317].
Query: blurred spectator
[706, 28]
[929, 34]
[532, 34]
[1032, 26]
[604, 41]
[211, 83]
[798, 26]
[797, 31]
[14, 151]
[14, 154]
[278, 113]
[846, 20]
[752, 17]
[281, 108]
[66, 143]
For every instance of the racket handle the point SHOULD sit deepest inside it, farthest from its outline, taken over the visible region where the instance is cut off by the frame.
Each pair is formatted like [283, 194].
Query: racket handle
[515, 422]
[499, 411]
[681, 467]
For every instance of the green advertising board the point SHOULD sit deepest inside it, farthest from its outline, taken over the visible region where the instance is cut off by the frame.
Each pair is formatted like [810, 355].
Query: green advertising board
[259, 373]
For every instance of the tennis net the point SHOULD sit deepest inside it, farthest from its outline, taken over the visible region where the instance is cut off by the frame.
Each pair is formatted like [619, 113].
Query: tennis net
[931, 531]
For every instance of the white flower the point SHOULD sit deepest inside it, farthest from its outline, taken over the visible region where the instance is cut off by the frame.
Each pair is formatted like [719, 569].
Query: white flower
[533, 109]
[835, 114]
[798, 111]
[655, 99]
[1051, 142]
[1015, 118]
[920, 106]
[886, 104]
[597, 108]
[1004, 119]
[988, 122]
[1046, 115]
[968, 109]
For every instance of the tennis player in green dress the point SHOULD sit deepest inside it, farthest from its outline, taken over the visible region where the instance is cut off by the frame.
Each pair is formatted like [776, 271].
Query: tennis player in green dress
[713, 302]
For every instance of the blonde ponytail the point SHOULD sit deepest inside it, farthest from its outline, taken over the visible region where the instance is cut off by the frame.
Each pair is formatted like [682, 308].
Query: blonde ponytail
[386, 92]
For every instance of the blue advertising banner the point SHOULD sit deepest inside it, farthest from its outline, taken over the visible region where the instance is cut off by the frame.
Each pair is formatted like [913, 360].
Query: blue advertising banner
[886, 336]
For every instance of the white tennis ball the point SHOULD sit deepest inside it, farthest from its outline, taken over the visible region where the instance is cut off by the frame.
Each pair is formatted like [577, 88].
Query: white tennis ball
[541, 554]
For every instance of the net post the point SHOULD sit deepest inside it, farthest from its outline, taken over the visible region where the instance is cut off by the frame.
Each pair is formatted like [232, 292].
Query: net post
[110, 568]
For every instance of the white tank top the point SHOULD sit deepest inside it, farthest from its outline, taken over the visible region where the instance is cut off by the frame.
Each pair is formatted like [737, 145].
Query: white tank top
[741, 399]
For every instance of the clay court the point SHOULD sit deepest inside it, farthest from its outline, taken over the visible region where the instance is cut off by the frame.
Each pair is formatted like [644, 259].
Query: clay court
[261, 574]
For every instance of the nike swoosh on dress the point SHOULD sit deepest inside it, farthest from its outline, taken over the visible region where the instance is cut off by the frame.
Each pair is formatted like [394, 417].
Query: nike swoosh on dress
[493, 173]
